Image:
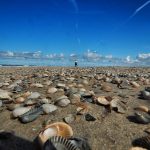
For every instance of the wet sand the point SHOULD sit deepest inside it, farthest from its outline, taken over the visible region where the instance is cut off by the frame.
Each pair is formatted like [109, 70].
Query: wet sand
[114, 132]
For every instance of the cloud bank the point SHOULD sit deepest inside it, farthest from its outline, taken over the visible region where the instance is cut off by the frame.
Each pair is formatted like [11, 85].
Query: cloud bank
[89, 57]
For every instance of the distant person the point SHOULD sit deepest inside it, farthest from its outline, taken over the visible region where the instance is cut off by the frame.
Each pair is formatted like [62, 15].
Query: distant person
[76, 63]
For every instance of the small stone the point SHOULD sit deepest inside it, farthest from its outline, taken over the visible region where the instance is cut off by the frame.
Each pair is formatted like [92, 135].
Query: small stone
[37, 85]
[89, 117]
[5, 95]
[63, 102]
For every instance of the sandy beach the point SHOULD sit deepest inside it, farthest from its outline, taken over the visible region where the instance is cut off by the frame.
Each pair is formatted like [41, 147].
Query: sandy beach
[113, 129]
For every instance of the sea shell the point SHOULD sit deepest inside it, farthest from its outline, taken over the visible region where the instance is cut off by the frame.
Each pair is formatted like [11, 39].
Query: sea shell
[34, 95]
[20, 111]
[134, 84]
[5, 95]
[142, 117]
[31, 115]
[26, 94]
[55, 129]
[74, 98]
[81, 143]
[61, 85]
[52, 90]
[62, 102]
[70, 118]
[102, 100]
[137, 148]
[59, 143]
[48, 108]
[142, 108]
[106, 88]
[143, 142]
[117, 105]
[145, 95]
[20, 100]
[1, 103]
[37, 85]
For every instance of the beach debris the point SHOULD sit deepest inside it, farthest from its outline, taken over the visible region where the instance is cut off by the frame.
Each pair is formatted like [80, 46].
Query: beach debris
[70, 118]
[48, 108]
[55, 129]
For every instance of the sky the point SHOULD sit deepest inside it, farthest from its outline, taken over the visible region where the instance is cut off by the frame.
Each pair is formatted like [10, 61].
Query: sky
[120, 28]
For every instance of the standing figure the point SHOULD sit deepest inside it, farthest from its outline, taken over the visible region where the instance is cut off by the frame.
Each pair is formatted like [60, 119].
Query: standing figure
[75, 63]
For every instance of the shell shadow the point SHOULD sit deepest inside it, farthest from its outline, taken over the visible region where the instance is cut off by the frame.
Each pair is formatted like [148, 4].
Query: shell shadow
[10, 141]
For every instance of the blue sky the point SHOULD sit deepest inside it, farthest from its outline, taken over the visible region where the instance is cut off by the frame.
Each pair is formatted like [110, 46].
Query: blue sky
[111, 27]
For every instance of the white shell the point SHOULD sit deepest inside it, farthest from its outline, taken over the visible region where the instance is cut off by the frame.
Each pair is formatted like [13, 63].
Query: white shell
[48, 108]
[34, 95]
[20, 111]
[52, 90]
[4, 94]
[63, 102]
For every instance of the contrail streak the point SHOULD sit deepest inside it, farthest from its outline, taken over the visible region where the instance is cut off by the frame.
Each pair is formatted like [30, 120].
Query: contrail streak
[75, 5]
[139, 9]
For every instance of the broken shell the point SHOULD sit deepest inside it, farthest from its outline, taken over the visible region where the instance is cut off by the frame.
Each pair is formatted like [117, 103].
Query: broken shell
[102, 100]
[26, 94]
[55, 129]
[142, 108]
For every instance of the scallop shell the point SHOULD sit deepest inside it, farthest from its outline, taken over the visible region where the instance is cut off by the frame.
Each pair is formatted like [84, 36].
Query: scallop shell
[142, 108]
[55, 129]
[59, 143]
